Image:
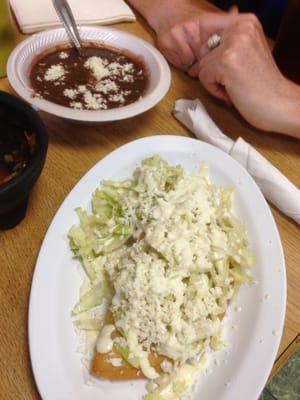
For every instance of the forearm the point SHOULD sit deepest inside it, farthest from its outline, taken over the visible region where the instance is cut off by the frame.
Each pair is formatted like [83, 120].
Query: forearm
[160, 12]
[289, 114]
[147, 9]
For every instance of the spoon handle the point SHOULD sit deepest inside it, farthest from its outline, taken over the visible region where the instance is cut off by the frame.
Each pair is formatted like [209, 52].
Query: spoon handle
[65, 14]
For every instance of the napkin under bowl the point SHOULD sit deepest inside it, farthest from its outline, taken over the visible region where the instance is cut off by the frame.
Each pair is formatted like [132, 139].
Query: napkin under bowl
[36, 15]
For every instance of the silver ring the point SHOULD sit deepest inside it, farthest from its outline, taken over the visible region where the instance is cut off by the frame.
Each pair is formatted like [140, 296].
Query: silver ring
[213, 41]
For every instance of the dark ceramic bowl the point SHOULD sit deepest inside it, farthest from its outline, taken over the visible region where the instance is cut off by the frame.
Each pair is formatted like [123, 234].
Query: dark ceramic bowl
[16, 117]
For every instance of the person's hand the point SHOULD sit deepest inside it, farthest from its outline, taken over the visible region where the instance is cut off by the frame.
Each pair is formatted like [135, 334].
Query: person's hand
[181, 27]
[182, 31]
[242, 70]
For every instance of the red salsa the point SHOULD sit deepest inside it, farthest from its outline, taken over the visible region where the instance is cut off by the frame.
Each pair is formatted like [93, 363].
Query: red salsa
[16, 147]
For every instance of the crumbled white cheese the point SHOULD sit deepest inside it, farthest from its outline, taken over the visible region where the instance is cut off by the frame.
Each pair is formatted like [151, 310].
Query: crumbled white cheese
[82, 88]
[70, 93]
[55, 72]
[63, 55]
[94, 101]
[98, 66]
[77, 105]
[116, 362]
[91, 101]
[115, 68]
[128, 67]
[101, 68]
[106, 86]
[128, 78]
[118, 98]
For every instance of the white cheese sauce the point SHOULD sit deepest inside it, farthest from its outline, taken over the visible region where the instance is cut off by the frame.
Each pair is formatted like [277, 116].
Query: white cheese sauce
[105, 342]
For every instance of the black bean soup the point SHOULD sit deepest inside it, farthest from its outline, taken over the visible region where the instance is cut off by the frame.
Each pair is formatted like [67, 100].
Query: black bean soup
[100, 78]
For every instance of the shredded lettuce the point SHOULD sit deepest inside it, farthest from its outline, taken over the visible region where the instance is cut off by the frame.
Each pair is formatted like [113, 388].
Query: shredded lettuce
[167, 254]
[94, 297]
[88, 324]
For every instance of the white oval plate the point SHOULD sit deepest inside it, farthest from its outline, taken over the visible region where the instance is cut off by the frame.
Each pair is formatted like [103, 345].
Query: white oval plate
[159, 72]
[253, 334]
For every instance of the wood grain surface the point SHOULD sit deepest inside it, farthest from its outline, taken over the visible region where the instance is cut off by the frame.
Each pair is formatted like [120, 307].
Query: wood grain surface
[73, 150]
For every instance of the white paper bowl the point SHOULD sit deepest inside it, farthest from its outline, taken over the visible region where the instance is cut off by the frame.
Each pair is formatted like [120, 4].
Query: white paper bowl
[159, 73]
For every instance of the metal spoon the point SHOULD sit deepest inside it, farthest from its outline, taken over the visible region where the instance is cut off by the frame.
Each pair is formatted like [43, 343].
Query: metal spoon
[66, 16]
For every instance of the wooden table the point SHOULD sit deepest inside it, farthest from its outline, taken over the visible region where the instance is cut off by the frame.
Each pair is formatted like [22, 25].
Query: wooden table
[73, 150]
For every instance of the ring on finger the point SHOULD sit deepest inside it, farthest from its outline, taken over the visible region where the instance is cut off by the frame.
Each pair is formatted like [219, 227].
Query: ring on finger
[213, 41]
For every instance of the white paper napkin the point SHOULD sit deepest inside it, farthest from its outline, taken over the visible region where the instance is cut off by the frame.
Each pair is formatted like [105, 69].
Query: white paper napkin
[274, 185]
[35, 15]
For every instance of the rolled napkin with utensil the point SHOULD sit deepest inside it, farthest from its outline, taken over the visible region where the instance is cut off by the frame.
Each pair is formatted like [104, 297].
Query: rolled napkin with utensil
[274, 185]
[36, 15]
